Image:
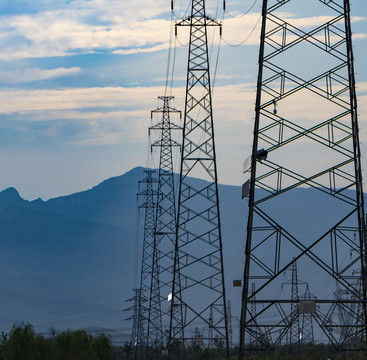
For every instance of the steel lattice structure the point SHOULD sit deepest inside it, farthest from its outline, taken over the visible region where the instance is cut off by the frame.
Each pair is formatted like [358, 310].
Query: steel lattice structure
[295, 328]
[229, 324]
[198, 287]
[165, 228]
[136, 317]
[305, 140]
[148, 194]
[307, 320]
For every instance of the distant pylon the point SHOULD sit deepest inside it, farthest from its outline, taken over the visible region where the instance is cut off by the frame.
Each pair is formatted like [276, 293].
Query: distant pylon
[307, 334]
[306, 137]
[148, 194]
[165, 227]
[137, 329]
[295, 329]
[198, 286]
[230, 329]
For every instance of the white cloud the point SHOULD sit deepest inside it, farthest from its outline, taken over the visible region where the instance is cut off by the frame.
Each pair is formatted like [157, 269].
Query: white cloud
[361, 87]
[141, 50]
[88, 26]
[83, 27]
[114, 115]
[36, 74]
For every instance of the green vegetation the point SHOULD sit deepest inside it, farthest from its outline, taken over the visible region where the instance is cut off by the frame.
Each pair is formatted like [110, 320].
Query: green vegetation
[22, 343]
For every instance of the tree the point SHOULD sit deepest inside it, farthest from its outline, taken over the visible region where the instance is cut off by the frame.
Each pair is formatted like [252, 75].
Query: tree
[22, 343]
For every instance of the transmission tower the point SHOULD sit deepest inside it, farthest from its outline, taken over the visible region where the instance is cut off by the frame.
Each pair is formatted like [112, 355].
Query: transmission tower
[294, 318]
[345, 318]
[148, 194]
[229, 322]
[294, 333]
[137, 330]
[165, 228]
[307, 319]
[306, 140]
[198, 286]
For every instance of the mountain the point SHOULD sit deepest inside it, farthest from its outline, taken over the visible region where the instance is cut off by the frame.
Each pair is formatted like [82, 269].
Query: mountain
[68, 262]
[72, 261]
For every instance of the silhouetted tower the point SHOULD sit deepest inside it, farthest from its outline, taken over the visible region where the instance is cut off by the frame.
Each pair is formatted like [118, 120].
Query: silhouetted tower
[306, 143]
[148, 194]
[307, 335]
[294, 334]
[137, 329]
[165, 227]
[344, 314]
[230, 329]
[198, 282]
[294, 317]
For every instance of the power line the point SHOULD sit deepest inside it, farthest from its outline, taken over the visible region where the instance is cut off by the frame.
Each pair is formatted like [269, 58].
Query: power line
[247, 37]
[237, 16]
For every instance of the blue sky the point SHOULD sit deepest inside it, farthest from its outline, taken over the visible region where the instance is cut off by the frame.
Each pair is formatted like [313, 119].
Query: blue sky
[78, 79]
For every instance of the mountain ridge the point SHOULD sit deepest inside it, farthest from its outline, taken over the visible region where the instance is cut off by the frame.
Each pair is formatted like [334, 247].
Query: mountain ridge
[71, 261]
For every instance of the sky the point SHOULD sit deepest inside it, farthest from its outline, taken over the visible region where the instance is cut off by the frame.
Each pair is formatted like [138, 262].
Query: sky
[79, 78]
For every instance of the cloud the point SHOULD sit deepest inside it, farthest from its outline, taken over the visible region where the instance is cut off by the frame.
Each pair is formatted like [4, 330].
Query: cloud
[141, 50]
[118, 114]
[100, 116]
[110, 115]
[36, 74]
[81, 27]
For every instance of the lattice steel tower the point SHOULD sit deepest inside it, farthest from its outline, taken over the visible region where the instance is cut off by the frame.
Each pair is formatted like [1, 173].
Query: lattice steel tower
[165, 227]
[148, 194]
[295, 329]
[305, 146]
[198, 288]
[307, 320]
[136, 317]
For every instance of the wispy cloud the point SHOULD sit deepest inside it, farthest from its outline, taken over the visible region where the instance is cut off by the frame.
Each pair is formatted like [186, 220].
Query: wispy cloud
[114, 115]
[141, 50]
[36, 74]
[109, 115]
[90, 26]
[83, 27]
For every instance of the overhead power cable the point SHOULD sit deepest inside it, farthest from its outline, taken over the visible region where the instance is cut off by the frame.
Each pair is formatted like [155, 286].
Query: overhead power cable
[247, 37]
[169, 56]
[237, 16]
[180, 17]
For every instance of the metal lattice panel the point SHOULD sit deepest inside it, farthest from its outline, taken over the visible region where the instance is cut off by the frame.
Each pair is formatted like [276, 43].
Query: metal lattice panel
[305, 139]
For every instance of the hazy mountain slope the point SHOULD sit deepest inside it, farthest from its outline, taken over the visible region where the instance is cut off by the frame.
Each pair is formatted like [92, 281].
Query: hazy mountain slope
[61, 271]
[111, 202]
[72, 261]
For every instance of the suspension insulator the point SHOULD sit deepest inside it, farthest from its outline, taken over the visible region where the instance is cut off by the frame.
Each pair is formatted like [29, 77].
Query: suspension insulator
[172, 5]
[224, 5]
